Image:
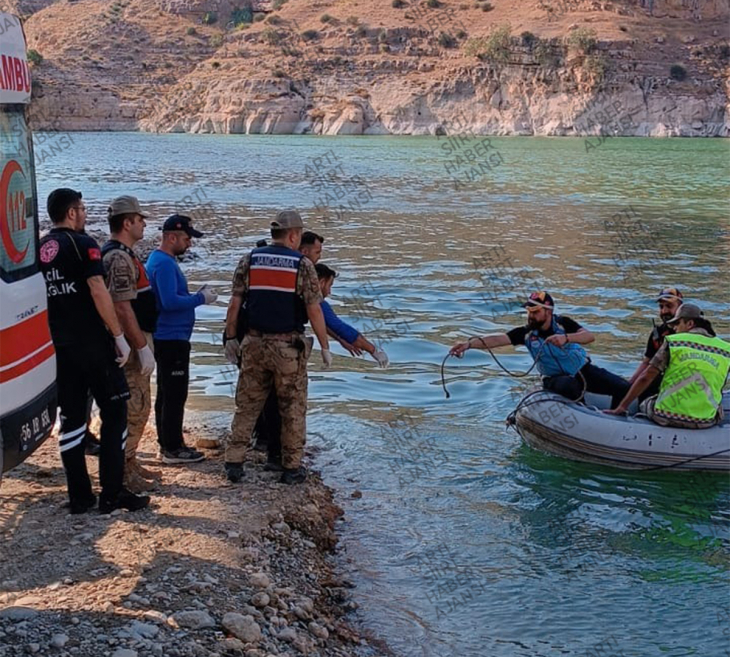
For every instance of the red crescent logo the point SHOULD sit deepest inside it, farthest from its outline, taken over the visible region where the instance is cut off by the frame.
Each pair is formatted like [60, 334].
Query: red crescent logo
[15, 256]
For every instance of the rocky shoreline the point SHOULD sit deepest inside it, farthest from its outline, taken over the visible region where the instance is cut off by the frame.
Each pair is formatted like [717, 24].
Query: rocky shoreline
[212, 569]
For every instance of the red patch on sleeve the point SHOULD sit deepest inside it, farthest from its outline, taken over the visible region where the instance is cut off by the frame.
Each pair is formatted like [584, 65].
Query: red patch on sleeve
[94, 254]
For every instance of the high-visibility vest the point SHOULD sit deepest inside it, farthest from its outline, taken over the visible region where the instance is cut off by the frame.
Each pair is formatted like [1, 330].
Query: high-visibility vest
[691, 389]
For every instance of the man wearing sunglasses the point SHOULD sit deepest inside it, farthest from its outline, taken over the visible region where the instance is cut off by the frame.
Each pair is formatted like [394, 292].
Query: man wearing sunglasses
[669, 300]
[555, 342]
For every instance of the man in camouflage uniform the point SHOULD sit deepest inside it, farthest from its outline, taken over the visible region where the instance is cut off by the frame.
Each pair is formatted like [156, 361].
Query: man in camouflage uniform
[282, 291]
[135, 306]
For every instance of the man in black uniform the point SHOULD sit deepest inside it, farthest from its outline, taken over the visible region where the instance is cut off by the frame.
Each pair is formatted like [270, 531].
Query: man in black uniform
[80, 310]
[669, 300]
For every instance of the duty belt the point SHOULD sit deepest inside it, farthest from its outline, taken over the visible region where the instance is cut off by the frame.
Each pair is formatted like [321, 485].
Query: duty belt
[285, 337]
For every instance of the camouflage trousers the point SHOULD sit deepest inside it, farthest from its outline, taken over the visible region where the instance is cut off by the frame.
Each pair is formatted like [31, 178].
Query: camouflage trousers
[140, 400]
[267, 363]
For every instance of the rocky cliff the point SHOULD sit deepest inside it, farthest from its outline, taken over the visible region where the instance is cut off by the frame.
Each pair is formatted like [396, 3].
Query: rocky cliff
[629, 67]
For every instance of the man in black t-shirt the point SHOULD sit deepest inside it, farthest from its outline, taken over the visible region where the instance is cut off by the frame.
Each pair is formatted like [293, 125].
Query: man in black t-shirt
[669, 300]
[555, 343]
[80, 310]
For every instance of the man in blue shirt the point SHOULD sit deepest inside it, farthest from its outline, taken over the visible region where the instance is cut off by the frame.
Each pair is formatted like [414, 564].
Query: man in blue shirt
[340, 330]
[172, 337]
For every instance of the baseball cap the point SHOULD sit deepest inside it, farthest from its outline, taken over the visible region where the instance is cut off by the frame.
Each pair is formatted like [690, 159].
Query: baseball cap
[288, 219]
[687, 311]
[125, 205]
[670, 293]
[539, 299]
[180, 222]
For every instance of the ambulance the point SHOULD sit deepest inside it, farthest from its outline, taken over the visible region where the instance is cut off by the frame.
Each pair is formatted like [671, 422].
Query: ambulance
[27, 357]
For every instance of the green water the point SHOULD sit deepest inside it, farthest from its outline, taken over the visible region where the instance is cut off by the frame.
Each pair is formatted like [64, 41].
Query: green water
[465, 542]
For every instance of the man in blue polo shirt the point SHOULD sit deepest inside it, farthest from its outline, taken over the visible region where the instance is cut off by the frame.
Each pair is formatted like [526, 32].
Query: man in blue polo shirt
[172, 337]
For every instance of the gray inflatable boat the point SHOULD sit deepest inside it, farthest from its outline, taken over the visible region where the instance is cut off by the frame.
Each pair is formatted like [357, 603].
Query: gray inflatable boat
[553, 424]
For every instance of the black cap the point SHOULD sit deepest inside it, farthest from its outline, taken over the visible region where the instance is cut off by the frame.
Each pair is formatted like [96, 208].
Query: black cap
[180, 222]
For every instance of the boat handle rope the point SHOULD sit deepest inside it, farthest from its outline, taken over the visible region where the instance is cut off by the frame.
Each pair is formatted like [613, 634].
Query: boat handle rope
[516, 375]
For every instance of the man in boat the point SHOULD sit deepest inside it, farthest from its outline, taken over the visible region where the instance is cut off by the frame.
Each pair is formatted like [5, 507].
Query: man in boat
[669, 300]
[695, 364]
[555, 342]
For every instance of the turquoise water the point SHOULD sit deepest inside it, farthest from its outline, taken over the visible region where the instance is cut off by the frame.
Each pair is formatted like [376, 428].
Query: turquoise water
[466, 542]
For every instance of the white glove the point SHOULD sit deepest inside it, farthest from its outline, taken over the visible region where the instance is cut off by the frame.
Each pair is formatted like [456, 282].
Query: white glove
[326, 358]
[231, 348]
[209, 294]
[123, 349]
[146, 360]
[382, 358]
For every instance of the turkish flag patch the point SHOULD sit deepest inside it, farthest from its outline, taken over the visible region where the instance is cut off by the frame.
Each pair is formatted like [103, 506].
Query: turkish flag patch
[94, 254]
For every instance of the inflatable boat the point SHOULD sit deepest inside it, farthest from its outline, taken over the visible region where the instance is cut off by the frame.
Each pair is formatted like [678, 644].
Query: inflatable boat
[581, 431]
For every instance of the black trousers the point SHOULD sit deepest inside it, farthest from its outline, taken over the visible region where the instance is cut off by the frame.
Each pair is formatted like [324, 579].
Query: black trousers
[83, 368]
[268, 428]
[173, 375]
[597, 380]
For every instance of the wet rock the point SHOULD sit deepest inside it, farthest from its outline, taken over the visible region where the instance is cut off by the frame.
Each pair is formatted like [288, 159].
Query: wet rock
[260, 600]
[259, 581]
[242, 627]
[33, 648]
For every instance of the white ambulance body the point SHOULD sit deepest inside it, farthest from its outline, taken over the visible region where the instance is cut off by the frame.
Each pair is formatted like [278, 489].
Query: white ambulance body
[27, 357]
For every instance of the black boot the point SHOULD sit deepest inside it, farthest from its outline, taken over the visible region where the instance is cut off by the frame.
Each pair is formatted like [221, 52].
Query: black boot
[124, 499]
[234, 472]
[80, 506]
[294, 475]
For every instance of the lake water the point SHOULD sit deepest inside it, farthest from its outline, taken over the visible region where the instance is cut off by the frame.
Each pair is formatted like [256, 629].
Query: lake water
[466, 543]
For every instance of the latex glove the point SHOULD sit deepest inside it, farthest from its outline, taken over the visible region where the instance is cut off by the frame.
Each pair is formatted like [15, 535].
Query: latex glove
[381, 357]
[231, 348]
[146, 360]
[326, 358]
[209, 294]
[123, 349]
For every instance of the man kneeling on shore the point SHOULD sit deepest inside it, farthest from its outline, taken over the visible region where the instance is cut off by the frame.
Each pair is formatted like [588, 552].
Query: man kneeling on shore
[695, 364]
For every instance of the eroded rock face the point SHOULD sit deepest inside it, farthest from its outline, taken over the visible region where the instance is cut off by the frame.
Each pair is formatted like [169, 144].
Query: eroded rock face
[167, 70]
[514, 105]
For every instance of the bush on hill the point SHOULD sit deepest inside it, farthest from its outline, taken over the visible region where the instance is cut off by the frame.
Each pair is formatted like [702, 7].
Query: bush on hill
[677, 72]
